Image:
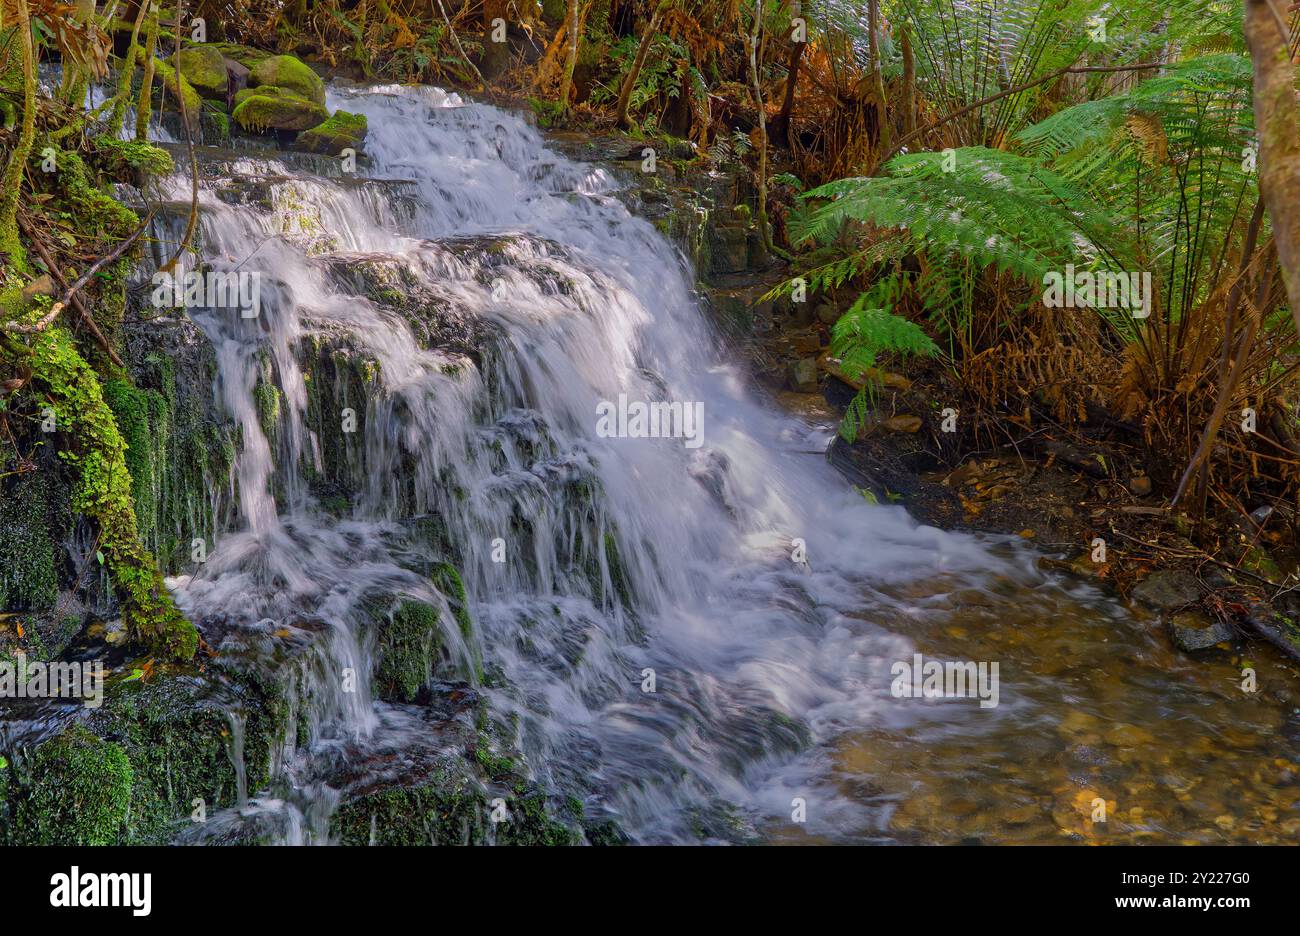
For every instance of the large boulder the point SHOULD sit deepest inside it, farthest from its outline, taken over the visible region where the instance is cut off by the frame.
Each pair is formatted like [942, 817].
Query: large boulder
[288, 74]
[259, 110]
[205, 69]
[342, 131]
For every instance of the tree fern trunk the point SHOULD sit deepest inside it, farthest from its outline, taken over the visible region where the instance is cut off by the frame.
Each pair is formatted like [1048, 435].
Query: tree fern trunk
[909, 85]
[1279, 139]
[877, 79]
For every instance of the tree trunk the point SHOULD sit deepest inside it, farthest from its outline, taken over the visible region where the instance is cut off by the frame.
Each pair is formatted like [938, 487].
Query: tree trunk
[496, 55]
[123, 95]
[145, 102]
[629, 81]
[781, 122]
[877, 78]
[763, 229]
[13, 176]
[1279, 139]
[909, 85]
[571, 57]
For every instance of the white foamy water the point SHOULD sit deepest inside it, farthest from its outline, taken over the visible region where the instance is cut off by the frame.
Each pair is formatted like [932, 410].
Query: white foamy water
[752, 653]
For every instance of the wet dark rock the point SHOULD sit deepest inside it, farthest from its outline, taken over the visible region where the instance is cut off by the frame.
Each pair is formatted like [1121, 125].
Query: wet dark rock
[801, 375]
[880, 466]
[1168, 590]
[729, 249]
[1192, 630]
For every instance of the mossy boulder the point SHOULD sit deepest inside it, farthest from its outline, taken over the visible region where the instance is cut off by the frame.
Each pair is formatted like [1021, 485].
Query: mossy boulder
[408, 650]
[261, 112]
[176, 84]
[289, 74]
[189, 738]
[246, 56]
[78, 793]
[205, 69]
[449, 810]
[342, 131]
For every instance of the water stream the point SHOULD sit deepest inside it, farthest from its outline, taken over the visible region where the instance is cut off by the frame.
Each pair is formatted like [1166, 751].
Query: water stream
[763, 596]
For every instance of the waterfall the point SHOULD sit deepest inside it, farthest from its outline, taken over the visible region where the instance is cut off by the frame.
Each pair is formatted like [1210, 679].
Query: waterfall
[502, 298]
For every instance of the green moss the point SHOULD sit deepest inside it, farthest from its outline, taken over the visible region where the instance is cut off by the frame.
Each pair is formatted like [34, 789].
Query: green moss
[267, 397]
[215, 125]
[496, 766]
[408, 648]
[126, 160]
[80, 198]
[244, 55]
[531, 824]
[205, 69]
[291, 74]
[341, 131]
[259, 113]
[448, 581]
[142, 420]
[243, 94]
[78, 793]
[178, 735]
[448, 810]
[617, 573]
[103, 493]
[28, 580]
[193, 103]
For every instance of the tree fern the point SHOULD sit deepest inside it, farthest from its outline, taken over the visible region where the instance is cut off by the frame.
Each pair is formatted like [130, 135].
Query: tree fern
[997, 209]
[867, 330]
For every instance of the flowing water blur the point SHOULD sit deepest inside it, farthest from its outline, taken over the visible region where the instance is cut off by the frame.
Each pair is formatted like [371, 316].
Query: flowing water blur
[623, 556]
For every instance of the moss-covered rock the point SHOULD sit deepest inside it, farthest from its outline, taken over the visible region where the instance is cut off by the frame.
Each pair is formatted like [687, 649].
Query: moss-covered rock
[190, 438]
[258, 113]
[243, 94]
[244, 55]
[188, 738]
[448, 581]
[448, 810]
[28, 578]
[342, 131]
[103, 493]
[408, 650]
[290, 74]
[144, 423]
[131, 160]
[78, 793]
[176, 85]
[205, 69]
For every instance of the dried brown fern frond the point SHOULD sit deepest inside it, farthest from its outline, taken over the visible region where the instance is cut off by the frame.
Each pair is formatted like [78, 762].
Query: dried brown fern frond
[1149, 133]
[83, 44]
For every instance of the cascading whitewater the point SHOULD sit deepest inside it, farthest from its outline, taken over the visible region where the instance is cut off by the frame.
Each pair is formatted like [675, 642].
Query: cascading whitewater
[592, 562]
